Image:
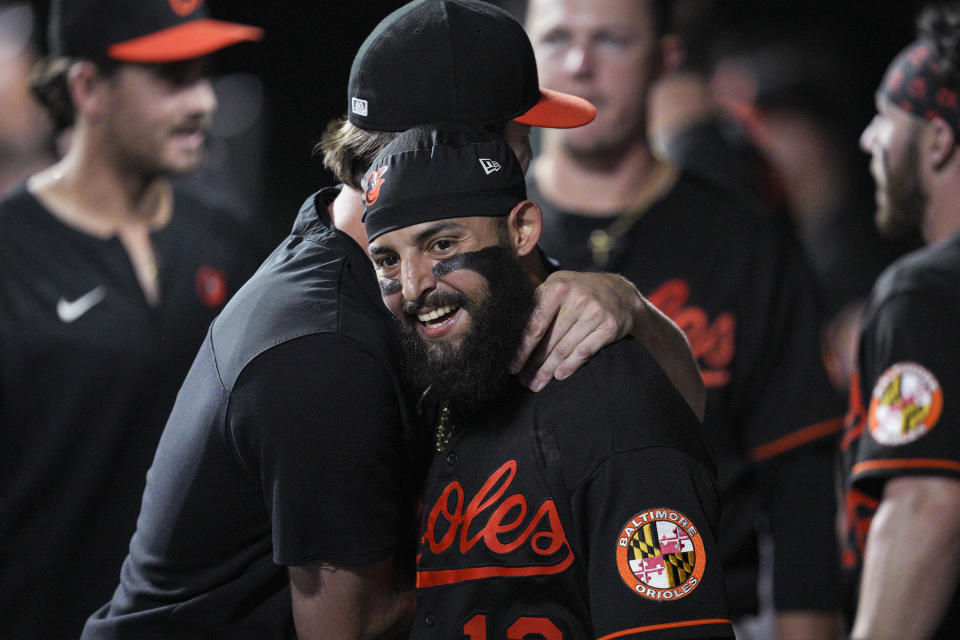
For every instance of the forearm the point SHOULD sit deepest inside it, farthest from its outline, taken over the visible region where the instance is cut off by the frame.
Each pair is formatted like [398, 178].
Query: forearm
[916, 527]
[386, 619]
[670, 348]
[349, 603]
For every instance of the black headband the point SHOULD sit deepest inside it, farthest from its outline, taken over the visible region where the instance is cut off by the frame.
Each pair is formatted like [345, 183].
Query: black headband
[437, 172]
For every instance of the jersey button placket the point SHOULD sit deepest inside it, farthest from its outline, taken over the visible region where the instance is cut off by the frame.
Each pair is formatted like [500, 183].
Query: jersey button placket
[452, 459]
[429, 620]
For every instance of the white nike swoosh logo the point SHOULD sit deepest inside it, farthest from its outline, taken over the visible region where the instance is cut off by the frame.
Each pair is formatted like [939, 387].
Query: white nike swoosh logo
[68, 311]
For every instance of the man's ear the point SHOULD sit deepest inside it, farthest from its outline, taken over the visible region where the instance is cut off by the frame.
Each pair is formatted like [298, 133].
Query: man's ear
[84, 82]
[942, 142]
[524, 225]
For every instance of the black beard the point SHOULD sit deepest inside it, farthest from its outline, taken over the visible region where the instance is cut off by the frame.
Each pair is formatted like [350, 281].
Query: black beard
[902, 213]
[470, 375]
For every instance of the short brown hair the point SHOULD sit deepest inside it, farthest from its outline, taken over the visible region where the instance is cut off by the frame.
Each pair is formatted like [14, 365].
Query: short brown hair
[48, 84]
[348, 151]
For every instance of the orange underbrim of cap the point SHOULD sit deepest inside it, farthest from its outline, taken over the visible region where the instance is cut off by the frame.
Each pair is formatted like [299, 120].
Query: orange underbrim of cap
[558, 111]
[186, 41]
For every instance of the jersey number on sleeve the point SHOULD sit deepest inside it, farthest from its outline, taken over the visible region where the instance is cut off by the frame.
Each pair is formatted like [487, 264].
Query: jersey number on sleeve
[522, 629]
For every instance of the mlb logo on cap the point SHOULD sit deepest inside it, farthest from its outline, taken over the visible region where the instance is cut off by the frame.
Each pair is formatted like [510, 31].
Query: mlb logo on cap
[359, 106]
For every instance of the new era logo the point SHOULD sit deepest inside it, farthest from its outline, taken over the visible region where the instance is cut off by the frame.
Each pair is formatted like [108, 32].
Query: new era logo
[358, 106]
[489, 166]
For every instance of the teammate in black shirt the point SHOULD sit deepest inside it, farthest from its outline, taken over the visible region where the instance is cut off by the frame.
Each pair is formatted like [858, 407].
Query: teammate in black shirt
[109, 278]
[253, 472]
[583, 511]
[901, 449]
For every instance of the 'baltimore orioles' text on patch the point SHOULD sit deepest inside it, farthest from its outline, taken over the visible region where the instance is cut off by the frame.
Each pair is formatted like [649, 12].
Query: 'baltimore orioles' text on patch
[906, 404]
[660, 554]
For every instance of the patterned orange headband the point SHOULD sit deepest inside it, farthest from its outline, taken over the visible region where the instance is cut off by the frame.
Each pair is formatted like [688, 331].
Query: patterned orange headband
[913, 83]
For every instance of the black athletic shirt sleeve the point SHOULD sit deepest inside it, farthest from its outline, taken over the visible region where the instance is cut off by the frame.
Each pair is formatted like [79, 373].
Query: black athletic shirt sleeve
[325, 447]
[655, 488]
[643, 499]
[910, 384]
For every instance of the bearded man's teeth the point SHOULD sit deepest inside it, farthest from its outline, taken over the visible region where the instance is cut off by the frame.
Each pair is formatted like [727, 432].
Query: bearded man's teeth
[436, 313]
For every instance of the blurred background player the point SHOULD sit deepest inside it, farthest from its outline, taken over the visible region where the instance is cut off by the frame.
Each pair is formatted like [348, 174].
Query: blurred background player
[769, 113]
[109, 278]
[791, 100]
[732, 278]
[25, 131]
[686, 125]
[901, 448]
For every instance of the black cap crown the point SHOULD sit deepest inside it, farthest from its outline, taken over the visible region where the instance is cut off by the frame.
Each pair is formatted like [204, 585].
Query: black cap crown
[463, 61]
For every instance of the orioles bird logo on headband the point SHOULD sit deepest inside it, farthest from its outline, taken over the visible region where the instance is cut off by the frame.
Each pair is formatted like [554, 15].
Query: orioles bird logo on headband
[371, 185]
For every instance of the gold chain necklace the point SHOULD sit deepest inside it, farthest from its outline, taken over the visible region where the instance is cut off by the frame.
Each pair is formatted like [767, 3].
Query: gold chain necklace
[602, 241]
[444, 430]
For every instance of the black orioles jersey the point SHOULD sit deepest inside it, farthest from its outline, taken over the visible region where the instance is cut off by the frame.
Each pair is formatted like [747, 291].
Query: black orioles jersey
[904, 415]
[88, 374]
[734, 281]
[584, 511]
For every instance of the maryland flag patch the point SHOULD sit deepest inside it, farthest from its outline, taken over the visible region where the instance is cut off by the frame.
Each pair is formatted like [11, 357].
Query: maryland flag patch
[905, 405]
[660, 554]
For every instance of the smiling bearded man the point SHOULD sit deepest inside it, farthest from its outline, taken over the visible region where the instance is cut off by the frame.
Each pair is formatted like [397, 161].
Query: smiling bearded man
[585, 510]
[498, 314]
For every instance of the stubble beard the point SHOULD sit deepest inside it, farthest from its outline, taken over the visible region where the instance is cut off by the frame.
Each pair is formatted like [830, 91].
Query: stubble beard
[900, 213]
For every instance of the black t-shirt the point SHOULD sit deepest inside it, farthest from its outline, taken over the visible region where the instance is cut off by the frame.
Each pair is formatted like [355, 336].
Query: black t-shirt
[734, 281]
[88, 374]
[587, 510]
[286, 445]
[904, 417]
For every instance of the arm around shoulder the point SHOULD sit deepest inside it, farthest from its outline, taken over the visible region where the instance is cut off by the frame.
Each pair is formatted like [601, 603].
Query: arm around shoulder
[578, 314]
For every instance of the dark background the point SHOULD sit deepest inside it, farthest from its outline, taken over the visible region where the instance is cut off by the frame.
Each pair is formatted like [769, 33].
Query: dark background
[304, 63]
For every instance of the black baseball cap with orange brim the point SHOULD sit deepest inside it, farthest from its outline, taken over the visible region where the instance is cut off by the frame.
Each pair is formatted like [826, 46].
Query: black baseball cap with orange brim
[453, 61]
[141, 31]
